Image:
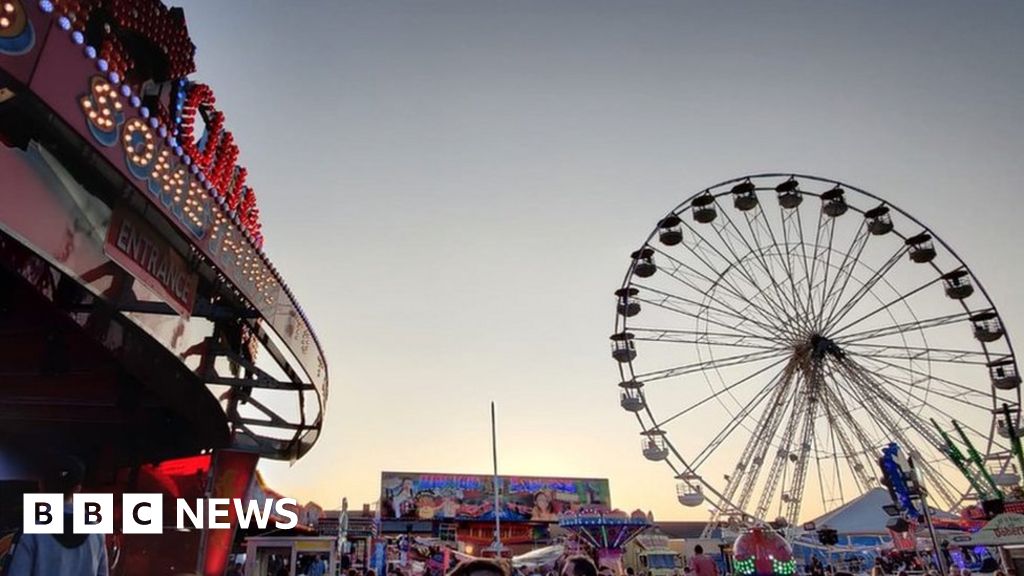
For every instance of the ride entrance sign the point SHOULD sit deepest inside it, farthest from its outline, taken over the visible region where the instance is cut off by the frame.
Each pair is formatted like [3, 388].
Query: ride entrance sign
[144, 253]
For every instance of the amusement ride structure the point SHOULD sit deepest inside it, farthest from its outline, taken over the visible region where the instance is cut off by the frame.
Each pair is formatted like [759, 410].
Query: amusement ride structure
[775, 332]
[143, 329]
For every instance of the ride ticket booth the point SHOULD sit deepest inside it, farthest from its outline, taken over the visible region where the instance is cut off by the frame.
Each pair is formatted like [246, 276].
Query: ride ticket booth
[267, 555]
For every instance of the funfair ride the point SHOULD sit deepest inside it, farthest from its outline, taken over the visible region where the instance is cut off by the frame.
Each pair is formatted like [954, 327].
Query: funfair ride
[606, 532]
[775, 331]
[140, 318]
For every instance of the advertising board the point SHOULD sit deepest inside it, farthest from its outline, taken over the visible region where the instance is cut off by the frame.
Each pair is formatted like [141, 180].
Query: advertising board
[471, 497]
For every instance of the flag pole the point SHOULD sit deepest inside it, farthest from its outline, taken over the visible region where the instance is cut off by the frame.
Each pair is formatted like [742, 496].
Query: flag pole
[497, 487]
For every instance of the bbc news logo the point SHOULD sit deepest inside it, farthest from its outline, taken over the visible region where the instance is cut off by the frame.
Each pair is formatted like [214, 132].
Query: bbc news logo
[143, 513]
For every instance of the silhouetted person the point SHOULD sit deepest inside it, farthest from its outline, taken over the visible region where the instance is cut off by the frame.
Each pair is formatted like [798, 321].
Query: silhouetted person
[579, 566]
[66, 554]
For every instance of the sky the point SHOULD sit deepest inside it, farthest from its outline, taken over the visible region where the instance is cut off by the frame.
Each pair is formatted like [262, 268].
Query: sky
[453, 188]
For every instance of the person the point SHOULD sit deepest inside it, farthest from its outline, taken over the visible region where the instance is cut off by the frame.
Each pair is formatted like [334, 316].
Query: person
[317, 568]
[701, 564]
[67, 554]
[479, 567]
[542, 508]
[402, 502]
[579, 566]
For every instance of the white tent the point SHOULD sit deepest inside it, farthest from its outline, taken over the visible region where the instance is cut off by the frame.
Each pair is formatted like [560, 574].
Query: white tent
[864, 514]
[540, 557]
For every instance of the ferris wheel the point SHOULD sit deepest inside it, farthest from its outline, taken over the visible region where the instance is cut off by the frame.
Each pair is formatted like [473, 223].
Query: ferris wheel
[775, 331]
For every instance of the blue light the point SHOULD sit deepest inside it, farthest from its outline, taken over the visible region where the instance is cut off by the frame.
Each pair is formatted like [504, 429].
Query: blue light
[102, 65]
[77, 37]
[136, 102]
[144, 112]
[126, 90]
[90, 51]
[46, 6]
[115, 77]
[64, 22]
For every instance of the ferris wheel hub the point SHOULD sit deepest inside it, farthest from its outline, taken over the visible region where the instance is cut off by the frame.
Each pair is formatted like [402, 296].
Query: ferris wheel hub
[822, 347]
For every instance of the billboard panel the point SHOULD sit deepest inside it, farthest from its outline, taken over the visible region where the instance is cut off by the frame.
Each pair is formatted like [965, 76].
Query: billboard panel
[425, 496]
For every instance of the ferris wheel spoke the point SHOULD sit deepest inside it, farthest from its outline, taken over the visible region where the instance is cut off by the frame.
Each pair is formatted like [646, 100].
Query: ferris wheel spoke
[785, 263]
[835, 316]
[793, 238]
[899, 352]
[777, 469]
[915, 326]
[684, 275]
[886, 410]
[823, 251]
[767, 256]
[876, 391]
[851, 257]
[884, 307]
[730, 340]
[844, 418]
[711, 365]
[749, 465]
[733, 320]
[814, 382]
[818, 252]
[838, 434]
[734, 330]
[821, 472]
[773, 313]
[782, 304]
[718, 393]
[887, 422]
[966, 426]
[960, 388]
[775, 389]
[841, 277]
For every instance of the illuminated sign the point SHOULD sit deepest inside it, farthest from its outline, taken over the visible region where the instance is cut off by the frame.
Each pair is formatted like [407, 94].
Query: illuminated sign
[471, 497]
[146, 255]
[17, 35]
[122, 87]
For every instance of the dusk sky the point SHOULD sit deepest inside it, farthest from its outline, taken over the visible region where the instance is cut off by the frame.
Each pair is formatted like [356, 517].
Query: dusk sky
[453, 189]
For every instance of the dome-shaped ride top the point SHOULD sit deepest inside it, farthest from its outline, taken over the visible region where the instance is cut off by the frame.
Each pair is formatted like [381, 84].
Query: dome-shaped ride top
[762, 552]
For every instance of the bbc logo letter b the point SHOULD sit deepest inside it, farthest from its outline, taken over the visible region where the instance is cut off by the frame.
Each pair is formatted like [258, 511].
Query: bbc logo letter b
[93, 513]
[43, 513]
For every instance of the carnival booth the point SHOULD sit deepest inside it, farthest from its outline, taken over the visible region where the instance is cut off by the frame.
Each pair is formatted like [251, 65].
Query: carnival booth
[1005, 533]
